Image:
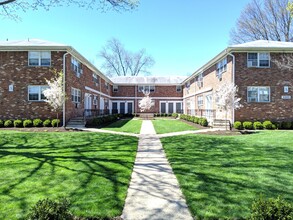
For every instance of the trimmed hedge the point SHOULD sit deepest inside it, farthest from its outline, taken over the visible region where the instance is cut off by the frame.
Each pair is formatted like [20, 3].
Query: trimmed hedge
[8, 124]
[18, 123]
[194, 119]
[55, 123]
[267, 125]
[238, 125]
[247, 125]
[1, 123]
[27, 123]
[37, 122]
[257, 125]
[47, 123]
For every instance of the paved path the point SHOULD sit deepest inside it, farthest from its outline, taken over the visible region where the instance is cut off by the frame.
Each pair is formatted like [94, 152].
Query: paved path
[154, 192]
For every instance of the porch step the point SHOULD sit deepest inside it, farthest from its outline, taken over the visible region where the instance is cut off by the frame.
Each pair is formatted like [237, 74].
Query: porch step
[76, 122]
[221, 123]
[146, 116]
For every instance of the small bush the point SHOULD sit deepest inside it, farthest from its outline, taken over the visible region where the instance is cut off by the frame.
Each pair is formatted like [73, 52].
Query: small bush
[8, 123]
[195, 120]
[48, 209]
[286, 125]
[18, 123]
[175, 115]
[247, 125]
[267, 125]
[204, 122]
[47, 123]
[27, 123]
[238, 125]
[1, 123]
[55, 123]
[37, 122]
[257, 125]
[271, 209]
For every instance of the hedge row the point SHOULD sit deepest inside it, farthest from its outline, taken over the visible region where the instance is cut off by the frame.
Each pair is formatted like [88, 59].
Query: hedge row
[257, 125]
[98, 121]
[29, 123]
[194, 119]
[162, 115]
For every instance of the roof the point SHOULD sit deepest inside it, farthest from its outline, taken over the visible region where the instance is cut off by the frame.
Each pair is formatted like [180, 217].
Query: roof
[143, 80]
[30, 42]
[264, 44]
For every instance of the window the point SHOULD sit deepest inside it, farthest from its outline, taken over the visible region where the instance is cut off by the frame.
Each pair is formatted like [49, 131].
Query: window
[36, 93]
[75, 95]
[221, 68]
[106, 85]
[146, 88]
[76, 66]
[258, 94]
[96, 78]
[199, 101]
[115, 88]
[258, 60]
[39, 58]
[200, 80]
[286, 89]
[178, 88]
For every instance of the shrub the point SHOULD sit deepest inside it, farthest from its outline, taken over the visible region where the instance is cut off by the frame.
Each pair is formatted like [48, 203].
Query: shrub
[268, 125]
[175, 115]
[286, 125]
[238, 125]
[1, 123]
[204, 122]
[27, 123]
[37, 122]
[257, 125]
[277, 125]
[247, 125]
[271, 209]
[18, 123]
[49, 209]
[47, 123]
[274, 126]
[195, 120]
[8, 123]
[55, 123]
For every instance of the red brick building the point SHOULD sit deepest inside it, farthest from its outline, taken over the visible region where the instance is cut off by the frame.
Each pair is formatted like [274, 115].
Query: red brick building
[265, 90]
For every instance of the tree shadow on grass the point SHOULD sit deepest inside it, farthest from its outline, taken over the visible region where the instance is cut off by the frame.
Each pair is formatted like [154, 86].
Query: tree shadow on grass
[91, 158]
[220, 176]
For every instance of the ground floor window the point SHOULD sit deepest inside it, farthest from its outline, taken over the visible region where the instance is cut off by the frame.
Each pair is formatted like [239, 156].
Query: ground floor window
[170, 107]
[36, 93]
[75, 95]
[122, 107]
[258, 94]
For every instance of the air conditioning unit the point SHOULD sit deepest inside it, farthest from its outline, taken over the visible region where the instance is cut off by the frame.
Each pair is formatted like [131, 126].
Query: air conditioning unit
[95, 102]
[200, 83]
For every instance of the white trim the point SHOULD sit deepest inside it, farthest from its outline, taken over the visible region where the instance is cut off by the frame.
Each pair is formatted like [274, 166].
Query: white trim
[197, 93]
[98, 92]
[167, 106]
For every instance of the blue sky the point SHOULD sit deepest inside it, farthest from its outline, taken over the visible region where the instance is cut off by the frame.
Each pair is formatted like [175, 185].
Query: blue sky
[180, 35]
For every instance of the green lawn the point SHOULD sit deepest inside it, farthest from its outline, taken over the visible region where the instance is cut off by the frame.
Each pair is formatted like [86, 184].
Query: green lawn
[221, 175]
[92, 170]
[127, 125]
[163, 126]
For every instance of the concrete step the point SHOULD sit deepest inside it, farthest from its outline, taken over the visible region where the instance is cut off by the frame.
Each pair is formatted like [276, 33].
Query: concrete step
[74, 122]
[221, 123]
[146, 116]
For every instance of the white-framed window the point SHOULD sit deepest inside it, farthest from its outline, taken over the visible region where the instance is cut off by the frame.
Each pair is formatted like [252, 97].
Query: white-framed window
[76, 66]
[95, 78]
[286, 89]
[106, 85]
[178, 88]
[258, 60]
[75, 95]
[39, 58]
[95, 100]
[200, 80]
[36, 93]
[115, 88]
[200, 101]
[221, 67]
[258, 94]
[146, 88]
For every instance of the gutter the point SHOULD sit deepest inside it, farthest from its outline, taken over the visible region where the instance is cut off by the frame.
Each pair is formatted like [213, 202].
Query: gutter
[64, 86]
[233, 81]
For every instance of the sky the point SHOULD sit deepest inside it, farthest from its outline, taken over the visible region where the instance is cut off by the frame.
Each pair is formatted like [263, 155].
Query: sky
[181, 35]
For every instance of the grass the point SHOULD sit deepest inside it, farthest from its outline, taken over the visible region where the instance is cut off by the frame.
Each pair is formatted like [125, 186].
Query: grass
[127, 125]
[92, 170]
[221, 175]
[163, 126]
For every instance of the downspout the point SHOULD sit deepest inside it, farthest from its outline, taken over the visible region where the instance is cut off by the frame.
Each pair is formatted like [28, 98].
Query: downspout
[64, 87]
[233, 81]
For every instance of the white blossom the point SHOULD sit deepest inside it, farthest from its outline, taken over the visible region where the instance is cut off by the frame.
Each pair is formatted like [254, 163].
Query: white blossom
[146, 103]
[226, 97]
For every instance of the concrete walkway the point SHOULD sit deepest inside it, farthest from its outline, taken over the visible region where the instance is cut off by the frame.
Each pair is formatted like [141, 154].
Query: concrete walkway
[154, 191]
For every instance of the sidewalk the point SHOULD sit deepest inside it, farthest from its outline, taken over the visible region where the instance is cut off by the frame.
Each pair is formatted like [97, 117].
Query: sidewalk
[154, 192]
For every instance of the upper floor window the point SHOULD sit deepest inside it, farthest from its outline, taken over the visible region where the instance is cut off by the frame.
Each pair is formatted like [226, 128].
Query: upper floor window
[200, 80]
[178, 88]
[199, 101]
[106, 85]
[147, 88]
[95, 78]
[36, 93]
[221, 68]
[258, 94]
[258, 60]
[115, 88]
[76, 66]
[75, 95]
[39, 58]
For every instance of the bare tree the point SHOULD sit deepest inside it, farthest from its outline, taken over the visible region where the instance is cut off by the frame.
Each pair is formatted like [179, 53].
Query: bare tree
[9, 8]
[264, 20]
[119, 61]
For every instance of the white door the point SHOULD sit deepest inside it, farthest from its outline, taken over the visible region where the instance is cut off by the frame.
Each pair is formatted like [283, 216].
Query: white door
[209, 106]
[87, 104]
[102, 105]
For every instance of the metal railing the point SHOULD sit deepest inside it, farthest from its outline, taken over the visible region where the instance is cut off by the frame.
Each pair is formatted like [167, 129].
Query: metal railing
[207, 113]
[91, 113]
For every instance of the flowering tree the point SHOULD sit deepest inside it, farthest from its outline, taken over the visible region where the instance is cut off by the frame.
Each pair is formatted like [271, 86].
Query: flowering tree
[146, 103]
[226, 98]
[55, 95]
